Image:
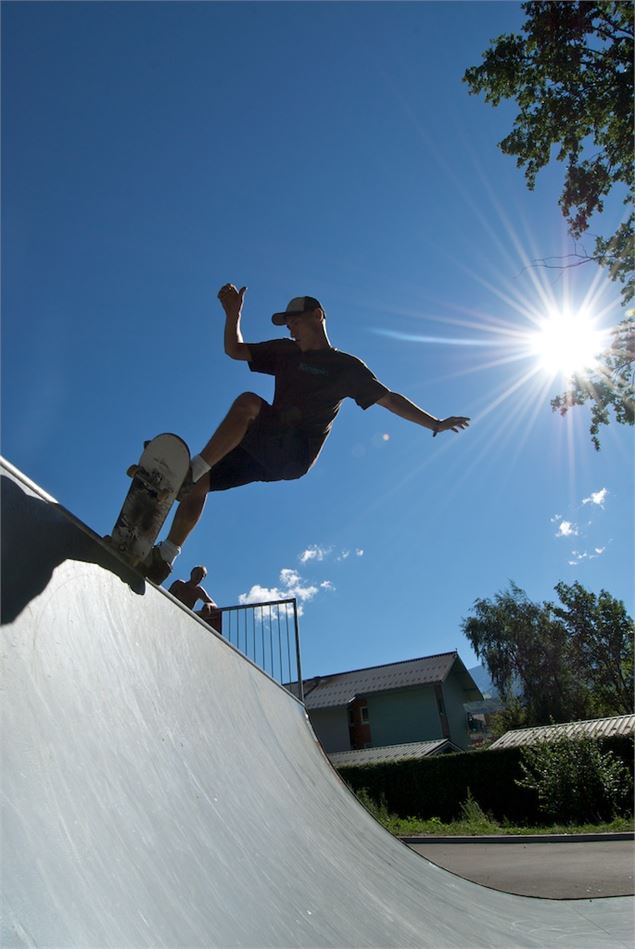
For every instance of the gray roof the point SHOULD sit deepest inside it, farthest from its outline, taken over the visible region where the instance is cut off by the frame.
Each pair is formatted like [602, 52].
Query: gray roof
[410, 751]
[338, 690]
[594, 727]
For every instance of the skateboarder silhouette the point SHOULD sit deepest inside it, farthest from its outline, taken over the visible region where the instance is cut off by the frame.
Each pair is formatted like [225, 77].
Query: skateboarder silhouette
[257, 441]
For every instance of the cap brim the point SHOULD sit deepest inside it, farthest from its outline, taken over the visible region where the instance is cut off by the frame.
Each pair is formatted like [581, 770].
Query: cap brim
[280, 319]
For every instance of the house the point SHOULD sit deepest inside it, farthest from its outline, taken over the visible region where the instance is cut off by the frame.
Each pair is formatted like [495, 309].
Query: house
[415, 701]
[591, 728]
[386, 754]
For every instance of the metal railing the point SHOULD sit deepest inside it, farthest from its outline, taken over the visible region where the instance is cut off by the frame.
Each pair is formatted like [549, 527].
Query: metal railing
[268, 634]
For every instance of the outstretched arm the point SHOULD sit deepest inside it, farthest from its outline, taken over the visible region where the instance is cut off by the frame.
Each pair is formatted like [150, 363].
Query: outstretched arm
[232, 302]
[407, 410]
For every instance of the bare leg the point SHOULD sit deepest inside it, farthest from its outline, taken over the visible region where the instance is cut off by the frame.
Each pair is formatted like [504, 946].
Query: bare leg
[232, 429]
[189, 511]
[229, 433]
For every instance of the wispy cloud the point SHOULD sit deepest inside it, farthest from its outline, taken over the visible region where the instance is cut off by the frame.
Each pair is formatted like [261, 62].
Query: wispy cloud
[345, 554]
[581, 555]
[596, 497]
[314, 552]
[568, 528]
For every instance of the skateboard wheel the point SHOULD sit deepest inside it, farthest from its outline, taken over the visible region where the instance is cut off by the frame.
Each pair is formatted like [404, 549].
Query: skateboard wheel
[132, 470]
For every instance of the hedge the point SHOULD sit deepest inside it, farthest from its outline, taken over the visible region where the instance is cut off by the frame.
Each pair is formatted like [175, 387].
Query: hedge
[436, 787]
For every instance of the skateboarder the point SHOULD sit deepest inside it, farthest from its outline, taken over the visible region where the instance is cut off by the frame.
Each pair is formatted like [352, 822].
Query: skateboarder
[261, 442]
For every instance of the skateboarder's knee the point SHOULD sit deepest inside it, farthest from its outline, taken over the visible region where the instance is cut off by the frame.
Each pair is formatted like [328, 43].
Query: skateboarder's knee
[248, 404]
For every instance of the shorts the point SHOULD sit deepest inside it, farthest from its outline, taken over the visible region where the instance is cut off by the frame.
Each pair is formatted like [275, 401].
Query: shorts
[268, 452]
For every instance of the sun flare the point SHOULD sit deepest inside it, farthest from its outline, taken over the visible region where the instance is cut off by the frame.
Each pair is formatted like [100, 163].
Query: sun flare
[567, 343]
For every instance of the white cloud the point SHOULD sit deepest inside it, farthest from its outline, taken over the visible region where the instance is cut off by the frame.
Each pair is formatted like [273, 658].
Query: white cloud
[291, 585]
[289, 577]
[566, 529]
[295, 585]
[314, 552]
[260, 594]
[596, 497]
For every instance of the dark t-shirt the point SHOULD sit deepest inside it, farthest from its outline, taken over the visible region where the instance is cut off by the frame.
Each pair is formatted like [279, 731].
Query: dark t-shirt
[310, 386]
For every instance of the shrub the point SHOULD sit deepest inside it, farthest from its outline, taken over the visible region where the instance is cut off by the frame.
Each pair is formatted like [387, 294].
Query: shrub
[575, 781]
[437, 787]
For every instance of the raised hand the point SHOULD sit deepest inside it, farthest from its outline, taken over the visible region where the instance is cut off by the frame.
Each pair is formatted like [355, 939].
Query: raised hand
[231, 299]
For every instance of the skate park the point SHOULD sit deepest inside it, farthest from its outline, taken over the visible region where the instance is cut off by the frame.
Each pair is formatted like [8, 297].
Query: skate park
[161, 790]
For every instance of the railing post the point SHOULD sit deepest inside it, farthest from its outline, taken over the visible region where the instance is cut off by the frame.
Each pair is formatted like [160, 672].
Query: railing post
[298, 661]
[265, 625]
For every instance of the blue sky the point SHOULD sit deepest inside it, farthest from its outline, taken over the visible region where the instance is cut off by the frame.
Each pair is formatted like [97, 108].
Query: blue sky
[154, 151]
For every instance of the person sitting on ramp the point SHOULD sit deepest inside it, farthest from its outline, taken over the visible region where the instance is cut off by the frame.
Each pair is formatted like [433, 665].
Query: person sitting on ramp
[189, 592]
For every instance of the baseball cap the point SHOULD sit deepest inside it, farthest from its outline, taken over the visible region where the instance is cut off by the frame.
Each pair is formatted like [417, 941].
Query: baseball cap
[296, 306]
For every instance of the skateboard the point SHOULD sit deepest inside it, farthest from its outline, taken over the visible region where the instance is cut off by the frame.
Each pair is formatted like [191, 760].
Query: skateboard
[156, 481]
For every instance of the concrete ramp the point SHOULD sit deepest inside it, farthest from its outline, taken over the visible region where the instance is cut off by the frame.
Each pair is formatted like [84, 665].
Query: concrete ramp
[159, 790]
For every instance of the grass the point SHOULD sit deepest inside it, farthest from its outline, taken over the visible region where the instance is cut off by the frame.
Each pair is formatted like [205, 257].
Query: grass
[475, 823]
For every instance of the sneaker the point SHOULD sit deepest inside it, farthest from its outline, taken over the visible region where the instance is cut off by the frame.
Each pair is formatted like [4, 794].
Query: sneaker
[155, 568]
[186, 487]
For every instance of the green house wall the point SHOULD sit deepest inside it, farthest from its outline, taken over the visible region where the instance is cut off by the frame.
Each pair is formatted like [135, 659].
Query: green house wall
[454, 696]
[398, 717]
[404, 715]
[331, 728]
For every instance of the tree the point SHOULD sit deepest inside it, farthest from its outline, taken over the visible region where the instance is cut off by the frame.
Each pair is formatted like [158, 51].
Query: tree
[600, 634]
[567, 663]
[610, 384]
[571, 75]
[524, 650]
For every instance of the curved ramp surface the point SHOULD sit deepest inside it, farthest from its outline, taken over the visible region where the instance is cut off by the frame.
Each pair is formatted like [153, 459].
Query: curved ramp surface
[159, 790]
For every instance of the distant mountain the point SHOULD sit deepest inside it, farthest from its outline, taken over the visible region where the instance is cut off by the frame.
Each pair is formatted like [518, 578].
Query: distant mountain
[485, 684]
[483, 681]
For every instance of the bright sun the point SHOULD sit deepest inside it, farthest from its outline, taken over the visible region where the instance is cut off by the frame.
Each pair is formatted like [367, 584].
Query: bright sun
[567, 343]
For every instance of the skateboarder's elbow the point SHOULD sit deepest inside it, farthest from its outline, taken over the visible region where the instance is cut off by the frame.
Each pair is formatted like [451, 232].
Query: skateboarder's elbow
[238, 351]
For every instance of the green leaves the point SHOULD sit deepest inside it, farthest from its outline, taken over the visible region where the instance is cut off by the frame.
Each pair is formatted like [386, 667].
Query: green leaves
[571, 75]
[575, 781]
[555, 663]
[610, 385]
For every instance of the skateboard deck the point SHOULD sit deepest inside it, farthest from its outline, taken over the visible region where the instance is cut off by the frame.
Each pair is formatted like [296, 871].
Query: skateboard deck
[156, 480]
